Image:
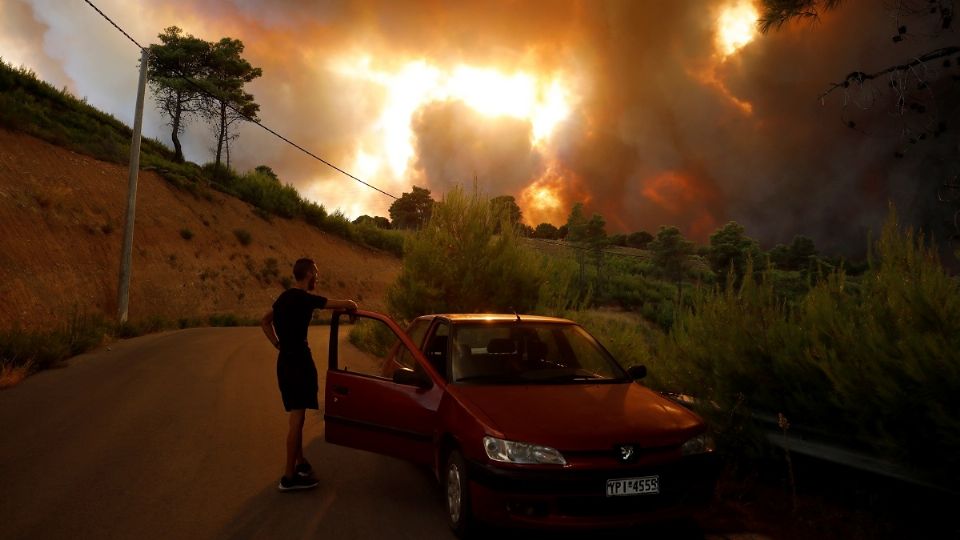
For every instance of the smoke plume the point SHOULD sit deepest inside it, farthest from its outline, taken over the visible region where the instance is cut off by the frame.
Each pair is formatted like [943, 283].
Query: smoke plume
[663, 128]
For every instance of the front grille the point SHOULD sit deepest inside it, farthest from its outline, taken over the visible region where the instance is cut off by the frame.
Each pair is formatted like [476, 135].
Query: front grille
[612, 506]
[639, 454]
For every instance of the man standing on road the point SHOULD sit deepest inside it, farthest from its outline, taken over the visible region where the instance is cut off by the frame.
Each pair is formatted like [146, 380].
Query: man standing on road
[286, 327]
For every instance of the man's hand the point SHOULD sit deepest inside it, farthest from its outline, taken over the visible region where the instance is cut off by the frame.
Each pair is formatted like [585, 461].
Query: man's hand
[348, 305]
[266, 324]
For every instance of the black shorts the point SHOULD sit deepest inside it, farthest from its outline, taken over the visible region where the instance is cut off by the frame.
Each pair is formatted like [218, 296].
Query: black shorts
[297, 377]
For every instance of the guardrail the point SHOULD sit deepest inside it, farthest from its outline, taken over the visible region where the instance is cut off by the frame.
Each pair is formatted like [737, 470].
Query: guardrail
[811, 442]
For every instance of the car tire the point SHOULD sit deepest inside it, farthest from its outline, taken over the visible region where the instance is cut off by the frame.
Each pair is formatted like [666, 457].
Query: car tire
[456, 489]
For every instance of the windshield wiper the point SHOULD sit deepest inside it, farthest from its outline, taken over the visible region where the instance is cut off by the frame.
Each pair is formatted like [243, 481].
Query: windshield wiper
[579, 375]
[500, 378]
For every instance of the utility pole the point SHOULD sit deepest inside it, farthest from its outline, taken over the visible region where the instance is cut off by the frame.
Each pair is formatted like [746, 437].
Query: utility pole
[126, 256]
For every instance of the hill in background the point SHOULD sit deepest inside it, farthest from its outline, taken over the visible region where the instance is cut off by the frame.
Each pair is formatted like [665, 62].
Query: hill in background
[199, 249]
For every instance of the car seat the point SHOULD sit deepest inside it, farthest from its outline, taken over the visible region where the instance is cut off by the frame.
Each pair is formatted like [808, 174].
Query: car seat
[437, 354]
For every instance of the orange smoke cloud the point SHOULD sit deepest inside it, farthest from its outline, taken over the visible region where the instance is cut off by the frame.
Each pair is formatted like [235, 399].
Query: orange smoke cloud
[684, 200]
[652, 113]
[670, 190]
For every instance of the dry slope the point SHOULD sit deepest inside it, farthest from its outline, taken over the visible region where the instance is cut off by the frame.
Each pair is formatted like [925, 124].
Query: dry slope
[61, 226]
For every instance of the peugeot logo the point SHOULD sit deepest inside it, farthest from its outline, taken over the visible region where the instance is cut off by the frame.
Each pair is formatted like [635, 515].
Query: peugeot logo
[626, 453]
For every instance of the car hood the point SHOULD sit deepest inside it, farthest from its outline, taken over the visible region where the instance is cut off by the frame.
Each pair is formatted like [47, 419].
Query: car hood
[583, 417]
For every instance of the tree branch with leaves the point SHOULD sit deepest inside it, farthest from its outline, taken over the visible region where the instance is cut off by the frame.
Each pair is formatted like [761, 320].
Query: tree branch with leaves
[178, 57]
[226, 101]
[923, 89]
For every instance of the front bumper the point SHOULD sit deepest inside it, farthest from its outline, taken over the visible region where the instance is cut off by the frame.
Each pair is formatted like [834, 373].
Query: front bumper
[577, 498]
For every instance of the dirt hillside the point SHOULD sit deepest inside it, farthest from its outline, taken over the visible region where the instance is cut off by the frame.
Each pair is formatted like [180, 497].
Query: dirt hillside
[61, 228]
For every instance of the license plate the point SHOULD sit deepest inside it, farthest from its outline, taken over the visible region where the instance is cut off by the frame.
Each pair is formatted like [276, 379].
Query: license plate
[643, 485]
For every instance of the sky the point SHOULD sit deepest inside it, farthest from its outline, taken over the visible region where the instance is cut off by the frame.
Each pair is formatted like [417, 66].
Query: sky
[649, 112]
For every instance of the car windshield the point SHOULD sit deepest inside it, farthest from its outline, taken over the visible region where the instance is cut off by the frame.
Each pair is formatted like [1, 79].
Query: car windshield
[529, 353]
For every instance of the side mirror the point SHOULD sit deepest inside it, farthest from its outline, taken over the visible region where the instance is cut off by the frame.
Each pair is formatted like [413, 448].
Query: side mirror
[637, 372]
[410, 377]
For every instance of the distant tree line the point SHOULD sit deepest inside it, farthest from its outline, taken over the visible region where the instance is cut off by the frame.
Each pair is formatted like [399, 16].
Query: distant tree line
[729, 253]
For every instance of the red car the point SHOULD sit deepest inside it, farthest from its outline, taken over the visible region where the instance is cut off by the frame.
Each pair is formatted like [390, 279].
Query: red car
[525, 420]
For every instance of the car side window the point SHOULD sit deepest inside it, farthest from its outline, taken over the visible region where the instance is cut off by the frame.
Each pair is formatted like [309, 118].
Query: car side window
[416, 332]
[435, 349]
[373, 349]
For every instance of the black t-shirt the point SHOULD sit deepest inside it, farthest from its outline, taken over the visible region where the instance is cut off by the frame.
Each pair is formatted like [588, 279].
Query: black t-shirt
[291, 316]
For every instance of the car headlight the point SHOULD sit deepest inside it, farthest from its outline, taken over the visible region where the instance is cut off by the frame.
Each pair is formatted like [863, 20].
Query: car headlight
[518, 452]
[701, 444]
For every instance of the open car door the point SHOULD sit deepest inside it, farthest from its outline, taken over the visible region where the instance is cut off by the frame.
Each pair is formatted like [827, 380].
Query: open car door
[381, 396]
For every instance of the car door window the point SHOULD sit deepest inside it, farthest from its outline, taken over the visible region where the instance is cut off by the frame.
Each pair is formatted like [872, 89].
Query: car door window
[416, 332]
[373, 349]
[436, 347]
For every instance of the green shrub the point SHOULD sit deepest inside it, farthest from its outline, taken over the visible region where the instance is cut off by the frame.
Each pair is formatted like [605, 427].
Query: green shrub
[559, 290]
[34, 351]
[243, 236]
[892, 356]
[186, 234]
[623, 282]
[23, 353]
[220, 174]
[338, 224]
[33, 106]
[263, 214]
[877, 366]
[177, 174]
[456, 264]
[655, 299]
[270, 270]
[387, 240]
[139, 327]
[314, 214]
[188, 322]
[222, 319]
[627, 339]
[262, 190]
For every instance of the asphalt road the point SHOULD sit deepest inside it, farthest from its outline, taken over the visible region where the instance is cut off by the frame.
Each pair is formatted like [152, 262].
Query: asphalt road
[181, 435]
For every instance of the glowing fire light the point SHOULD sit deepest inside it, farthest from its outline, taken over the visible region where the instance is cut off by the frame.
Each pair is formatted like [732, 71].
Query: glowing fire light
[543, 197]
[543, 101]
[736, 27]
[542, 200]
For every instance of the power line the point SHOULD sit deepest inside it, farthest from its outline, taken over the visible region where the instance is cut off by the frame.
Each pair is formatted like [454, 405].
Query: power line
[115, 25]
[244, 116]
[281, 137]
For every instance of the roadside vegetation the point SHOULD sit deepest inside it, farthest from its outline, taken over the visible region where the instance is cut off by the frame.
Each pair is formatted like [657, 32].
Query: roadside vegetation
[869, 360]
[863, 355]
[874, 362]
[23, 353]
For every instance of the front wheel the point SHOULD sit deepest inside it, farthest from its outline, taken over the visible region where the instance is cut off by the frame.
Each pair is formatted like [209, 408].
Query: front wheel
[459, 514]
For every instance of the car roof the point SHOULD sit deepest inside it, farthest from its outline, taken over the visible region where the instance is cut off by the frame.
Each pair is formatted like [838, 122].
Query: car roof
[459, 318]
